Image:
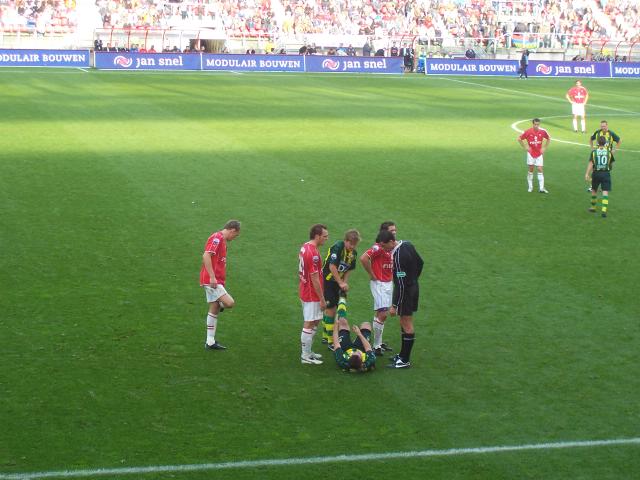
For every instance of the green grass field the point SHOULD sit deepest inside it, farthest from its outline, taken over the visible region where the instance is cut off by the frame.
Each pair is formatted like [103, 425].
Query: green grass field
[110, 184]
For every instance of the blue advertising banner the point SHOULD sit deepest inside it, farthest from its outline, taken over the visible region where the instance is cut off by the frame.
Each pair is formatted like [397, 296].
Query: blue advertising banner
[568, 69]
[626, 70]
[253, 63]
[44, 58]
[147, 61]
[318, 63]
[449, 66]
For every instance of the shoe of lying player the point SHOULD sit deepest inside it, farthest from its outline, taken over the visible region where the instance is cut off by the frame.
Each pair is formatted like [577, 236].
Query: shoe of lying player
[399, 363]
[386, 347]
[331, 347]
[310, 360]
[215, 346]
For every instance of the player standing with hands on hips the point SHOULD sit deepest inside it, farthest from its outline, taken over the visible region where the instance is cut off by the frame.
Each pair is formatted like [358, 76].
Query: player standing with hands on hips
[578, 97]
[212, 277]
[537, 141]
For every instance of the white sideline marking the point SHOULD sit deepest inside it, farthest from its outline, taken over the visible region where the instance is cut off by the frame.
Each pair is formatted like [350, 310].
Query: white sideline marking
[520, 92]
[315, 460]
[514, 126]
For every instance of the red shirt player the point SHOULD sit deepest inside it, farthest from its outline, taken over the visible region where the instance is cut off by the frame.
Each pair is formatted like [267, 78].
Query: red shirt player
[213, 275]
[378, 263]
[537, 141]
[578, 97]
[310, 291]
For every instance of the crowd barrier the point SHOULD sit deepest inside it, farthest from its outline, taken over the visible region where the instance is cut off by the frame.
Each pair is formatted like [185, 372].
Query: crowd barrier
[308, 63]
[248, 63]
[44, 58]
[536, 68]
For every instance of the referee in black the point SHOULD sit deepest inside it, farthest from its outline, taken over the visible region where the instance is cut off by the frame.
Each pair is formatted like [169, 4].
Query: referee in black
[407, 267]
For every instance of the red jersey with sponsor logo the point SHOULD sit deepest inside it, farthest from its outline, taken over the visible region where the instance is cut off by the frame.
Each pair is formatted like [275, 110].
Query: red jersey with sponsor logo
[578, 94]
[310, 262]
[381, 263]
[534, 139]
[217, 247]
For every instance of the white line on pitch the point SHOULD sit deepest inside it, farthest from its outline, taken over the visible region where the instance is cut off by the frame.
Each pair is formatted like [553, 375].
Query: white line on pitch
[285, 462]
[520, 92]
[514, 126]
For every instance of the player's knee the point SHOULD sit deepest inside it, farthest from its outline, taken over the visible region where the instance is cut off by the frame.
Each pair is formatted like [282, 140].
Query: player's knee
[227, 301]
[365, 326]
[342, 324]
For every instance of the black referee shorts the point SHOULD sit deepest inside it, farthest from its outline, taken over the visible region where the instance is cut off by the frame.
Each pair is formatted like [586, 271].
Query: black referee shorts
[408, 303]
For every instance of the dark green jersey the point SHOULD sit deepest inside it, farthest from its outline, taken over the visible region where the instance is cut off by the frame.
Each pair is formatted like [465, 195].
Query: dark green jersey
[339, 256]
[342, 359]
[611, 138]
[601, 159]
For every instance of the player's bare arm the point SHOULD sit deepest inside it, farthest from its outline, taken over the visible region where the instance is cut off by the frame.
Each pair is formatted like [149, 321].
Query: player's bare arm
[345, 280]
[545, 144]
[524, 144]
[336, 340]
[315, 281]
[365, 343]
[366, 264]
[208, 265]
[587, 175]
[336, 276]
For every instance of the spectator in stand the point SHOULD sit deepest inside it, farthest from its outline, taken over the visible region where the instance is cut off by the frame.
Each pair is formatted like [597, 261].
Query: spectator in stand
[524, 64]
[366, 49]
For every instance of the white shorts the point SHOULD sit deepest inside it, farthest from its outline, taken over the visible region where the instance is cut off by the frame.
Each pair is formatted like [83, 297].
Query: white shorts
[213, 294]
[382, 294]
[311, 311]
[538, 162]
[577, 109]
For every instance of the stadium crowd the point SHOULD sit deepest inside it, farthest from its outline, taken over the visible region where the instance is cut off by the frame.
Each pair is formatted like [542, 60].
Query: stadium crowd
[40, 16]
[555, 22]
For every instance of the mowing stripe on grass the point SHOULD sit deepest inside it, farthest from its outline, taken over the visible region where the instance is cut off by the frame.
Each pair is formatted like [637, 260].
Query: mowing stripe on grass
[514, 126]
[530, 94]
[285, 462]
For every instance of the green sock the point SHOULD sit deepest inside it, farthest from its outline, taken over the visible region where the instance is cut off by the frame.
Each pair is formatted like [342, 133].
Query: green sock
[327, 327]
[342, 307]
[605, 203]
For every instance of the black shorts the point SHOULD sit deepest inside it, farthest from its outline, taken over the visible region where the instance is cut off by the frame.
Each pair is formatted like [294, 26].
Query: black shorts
[408, 304]
[601, 179]
[332, 293]
[346, 343]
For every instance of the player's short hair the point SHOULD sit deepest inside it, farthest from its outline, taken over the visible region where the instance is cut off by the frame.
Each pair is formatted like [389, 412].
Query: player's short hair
[232, 225]
[387, 224]
[535, 120]
[316, 230]
[352, 236]
[602, 141]
[355, 362]
[604, 121]
[385, 236]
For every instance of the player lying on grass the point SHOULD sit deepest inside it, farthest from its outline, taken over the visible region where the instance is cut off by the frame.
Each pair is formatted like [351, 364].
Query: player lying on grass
[356, 356]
